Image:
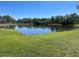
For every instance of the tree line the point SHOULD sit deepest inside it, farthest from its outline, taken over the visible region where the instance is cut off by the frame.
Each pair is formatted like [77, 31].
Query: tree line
[68, 19]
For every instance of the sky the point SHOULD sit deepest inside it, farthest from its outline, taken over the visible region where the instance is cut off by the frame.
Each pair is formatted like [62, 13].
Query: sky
[37, 9]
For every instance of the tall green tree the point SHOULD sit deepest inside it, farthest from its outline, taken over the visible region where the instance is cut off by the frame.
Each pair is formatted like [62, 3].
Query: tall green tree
[9, 19]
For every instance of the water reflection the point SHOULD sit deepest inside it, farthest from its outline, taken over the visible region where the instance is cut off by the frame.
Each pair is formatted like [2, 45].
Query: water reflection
[7, 26]
[27, 30]
[60, 29]
[32, 30]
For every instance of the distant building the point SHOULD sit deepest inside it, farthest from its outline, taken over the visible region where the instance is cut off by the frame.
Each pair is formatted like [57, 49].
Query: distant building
[2, 20]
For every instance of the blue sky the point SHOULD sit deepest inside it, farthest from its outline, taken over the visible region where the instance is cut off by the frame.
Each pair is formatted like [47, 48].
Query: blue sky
[38, 9]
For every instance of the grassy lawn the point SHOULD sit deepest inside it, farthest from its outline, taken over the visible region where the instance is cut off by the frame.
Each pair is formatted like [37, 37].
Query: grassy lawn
[53, 44]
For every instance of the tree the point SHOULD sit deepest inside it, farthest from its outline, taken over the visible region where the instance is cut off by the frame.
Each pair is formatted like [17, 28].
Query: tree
[9, 19]
[77, 7]
[52, 20]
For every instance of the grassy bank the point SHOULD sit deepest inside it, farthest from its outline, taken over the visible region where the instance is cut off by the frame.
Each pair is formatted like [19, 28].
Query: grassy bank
[57, 44]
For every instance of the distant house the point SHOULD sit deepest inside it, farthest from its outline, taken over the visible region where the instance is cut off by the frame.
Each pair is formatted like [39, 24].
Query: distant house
[2, 20]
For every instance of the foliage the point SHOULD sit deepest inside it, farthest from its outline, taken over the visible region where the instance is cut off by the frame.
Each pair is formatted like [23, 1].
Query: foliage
[7, 19]
[63, 20]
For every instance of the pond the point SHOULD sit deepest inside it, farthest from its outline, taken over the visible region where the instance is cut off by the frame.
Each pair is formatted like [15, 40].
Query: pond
[34, 30]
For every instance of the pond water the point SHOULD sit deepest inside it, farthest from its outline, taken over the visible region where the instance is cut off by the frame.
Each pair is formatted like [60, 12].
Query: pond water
[34, 30]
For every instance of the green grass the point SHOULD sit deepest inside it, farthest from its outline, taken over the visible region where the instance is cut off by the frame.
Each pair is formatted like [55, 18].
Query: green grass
[52, 44]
